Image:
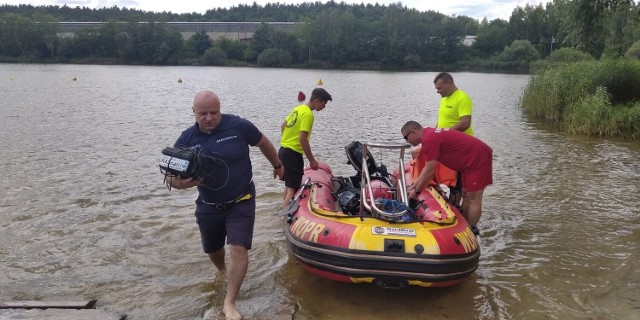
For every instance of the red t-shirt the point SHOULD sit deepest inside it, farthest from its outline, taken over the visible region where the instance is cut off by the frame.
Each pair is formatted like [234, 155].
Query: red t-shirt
[456, 150]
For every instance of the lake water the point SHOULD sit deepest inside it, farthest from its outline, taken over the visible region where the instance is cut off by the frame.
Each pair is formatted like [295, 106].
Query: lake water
[84, 212]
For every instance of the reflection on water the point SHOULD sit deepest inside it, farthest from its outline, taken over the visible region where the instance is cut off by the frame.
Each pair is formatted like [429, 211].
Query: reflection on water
[83, 212]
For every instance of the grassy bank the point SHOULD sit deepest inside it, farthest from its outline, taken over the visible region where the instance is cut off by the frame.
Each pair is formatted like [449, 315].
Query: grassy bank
[592, 97]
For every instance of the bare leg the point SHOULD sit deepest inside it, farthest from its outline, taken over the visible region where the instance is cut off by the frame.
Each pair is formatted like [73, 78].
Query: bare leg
[288, 195]
[218, 260]
[455, 198]
[235, 275]
[465, 207]
[472, 206]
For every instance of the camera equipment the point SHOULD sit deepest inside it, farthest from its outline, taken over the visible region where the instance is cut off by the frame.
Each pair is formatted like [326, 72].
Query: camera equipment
[189, 163]
[178, 161]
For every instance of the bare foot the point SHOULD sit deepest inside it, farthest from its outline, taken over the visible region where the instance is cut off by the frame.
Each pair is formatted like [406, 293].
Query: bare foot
[231, 313]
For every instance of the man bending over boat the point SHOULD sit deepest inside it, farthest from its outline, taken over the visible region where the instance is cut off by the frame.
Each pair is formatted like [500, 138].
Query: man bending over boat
[225, 207]
[454, 113]
[296, 133]
[458, 151]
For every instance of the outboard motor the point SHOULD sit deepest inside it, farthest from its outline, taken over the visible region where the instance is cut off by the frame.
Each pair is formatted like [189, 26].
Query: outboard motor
[349, 201]
[354, 154]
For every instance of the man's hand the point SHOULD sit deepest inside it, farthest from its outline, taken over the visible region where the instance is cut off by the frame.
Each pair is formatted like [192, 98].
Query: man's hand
[278, 173]
[415, 152]
[313, 164]
[179, 182]
[412, 192]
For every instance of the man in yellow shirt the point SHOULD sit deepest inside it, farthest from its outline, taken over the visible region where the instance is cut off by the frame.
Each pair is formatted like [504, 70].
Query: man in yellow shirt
[454, 113]
[296, 133]
[455, 106]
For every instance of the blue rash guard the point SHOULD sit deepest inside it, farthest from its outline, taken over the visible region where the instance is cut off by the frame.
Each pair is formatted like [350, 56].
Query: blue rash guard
[230, 143]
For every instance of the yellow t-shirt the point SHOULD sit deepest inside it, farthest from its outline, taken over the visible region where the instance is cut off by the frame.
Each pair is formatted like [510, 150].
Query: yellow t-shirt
[452, 108]
[300, 119]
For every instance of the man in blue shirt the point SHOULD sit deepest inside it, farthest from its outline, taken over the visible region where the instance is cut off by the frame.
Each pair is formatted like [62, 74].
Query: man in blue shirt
[225, 207]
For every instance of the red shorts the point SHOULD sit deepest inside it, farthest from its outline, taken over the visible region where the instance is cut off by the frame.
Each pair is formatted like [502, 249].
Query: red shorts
[478, 179]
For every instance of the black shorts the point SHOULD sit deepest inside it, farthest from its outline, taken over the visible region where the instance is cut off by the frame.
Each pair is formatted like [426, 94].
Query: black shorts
[235, 223]
[293, 167]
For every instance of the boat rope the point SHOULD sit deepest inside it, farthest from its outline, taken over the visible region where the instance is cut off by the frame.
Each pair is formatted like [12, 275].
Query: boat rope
[395, 206]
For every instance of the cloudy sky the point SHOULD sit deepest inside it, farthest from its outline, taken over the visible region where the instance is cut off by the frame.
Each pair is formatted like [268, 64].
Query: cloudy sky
[491, 9]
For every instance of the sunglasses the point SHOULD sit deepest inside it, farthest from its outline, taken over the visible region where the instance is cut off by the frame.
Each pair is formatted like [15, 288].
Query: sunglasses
[406, 136]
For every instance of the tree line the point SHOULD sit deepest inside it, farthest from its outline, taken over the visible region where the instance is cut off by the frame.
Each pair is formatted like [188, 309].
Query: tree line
[330, 35]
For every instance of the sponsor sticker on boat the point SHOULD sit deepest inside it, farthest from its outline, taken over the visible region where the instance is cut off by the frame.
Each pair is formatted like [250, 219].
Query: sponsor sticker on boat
[388, 231]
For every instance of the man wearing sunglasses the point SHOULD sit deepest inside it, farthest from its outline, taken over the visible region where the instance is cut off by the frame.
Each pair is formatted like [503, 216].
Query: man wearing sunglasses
[458, 151]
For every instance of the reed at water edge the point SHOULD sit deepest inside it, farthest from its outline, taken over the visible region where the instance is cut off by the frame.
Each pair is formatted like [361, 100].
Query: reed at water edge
[599, 98]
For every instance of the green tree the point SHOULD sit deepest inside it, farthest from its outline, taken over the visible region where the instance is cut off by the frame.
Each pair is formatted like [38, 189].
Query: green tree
[232, 48]
[492, 37]
[519, 50]
[249, 54]
[214, 56]
[84, 43]
[452, 34]
[531, 23]
[154, 43]
[17, 35]
[274, 58]
[262, 38]
[287, 42]
[47, 30]
[331, 34]
[620, 26]
[589, 25]
[108, 40]
[412, 61]
[469, 25]
[199, 42]
[327, 32]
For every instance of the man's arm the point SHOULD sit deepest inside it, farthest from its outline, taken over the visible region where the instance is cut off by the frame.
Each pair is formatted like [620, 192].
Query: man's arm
[463, 124]
[269, 152]
[306, 148]
[282, 126]
[424, 178]
[179, 182]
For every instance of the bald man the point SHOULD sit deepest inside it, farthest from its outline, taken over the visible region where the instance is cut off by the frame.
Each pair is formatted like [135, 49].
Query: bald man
[225, 207]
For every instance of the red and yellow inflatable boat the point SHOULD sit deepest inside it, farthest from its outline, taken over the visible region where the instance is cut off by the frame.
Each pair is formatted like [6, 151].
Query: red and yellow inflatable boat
[364, 229]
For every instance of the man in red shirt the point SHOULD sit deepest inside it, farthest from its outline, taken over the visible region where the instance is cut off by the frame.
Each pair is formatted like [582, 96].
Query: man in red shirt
[458, 151]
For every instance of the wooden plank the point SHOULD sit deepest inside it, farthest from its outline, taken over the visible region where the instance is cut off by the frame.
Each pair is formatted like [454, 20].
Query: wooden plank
[84, 304]
[59, 314]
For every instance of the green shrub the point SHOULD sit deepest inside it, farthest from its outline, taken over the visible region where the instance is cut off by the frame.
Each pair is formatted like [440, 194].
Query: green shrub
[274, 58]
[621, 77]
[559, 58]
[634, 51]
[564, 55]
[519, 50]
[214, 56]
[412, 61]
[591, 115]
[590, 97]
[541, 99]
[236, 63]
[627, 121]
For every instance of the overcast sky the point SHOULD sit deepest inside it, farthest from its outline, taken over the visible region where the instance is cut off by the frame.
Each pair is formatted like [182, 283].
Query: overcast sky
[491, 9]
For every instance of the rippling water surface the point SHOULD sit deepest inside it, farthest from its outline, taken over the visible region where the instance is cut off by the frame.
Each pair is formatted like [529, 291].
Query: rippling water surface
[84, 213]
